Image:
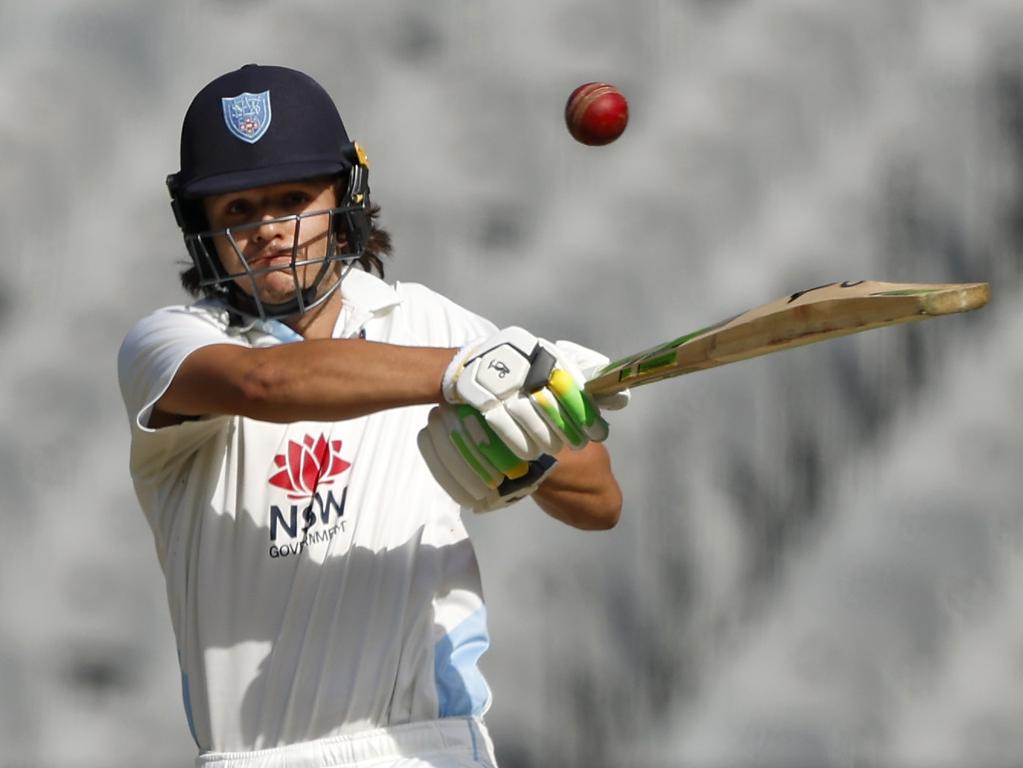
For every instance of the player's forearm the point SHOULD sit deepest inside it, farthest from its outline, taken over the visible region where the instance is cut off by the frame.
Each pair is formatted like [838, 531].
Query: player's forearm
[332, 380]
[582, 490]
[315, 380]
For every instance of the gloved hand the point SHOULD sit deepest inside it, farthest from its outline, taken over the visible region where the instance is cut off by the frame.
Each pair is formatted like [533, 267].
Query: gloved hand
[516, 400]
[529, 391]
[472, 464]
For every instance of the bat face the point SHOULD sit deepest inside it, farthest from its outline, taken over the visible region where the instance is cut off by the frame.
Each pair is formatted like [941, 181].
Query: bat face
[805, 317]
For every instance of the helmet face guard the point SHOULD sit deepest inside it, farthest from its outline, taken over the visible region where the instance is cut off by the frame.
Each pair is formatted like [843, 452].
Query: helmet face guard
[347, 232]
[308, 294]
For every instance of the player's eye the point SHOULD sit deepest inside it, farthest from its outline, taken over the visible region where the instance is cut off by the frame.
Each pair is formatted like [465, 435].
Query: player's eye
[238, 208]
[297, 199]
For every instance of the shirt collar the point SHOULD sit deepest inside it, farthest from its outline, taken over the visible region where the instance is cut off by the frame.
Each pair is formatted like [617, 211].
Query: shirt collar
[363, 297]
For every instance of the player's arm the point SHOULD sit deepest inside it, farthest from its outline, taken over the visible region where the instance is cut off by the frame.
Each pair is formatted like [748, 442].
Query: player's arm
[314, 380]
[582, 491]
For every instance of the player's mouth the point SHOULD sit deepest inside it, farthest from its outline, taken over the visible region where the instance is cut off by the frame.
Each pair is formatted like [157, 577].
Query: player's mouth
[271, 260]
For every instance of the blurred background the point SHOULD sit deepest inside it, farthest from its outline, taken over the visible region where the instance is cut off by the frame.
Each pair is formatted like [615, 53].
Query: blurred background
[820, 561]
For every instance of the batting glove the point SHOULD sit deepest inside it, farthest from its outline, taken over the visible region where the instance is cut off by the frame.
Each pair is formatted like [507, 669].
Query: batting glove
[471, 463]
[515, 401]
[529, 391]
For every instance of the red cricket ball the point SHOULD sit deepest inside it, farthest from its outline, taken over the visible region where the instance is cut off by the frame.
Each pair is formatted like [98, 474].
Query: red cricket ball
[596, 113]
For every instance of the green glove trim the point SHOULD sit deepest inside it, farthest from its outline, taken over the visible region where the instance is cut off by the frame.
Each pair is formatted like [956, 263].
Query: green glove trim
[496, 452]
[557, 417]
[580, 408]
[467, 454]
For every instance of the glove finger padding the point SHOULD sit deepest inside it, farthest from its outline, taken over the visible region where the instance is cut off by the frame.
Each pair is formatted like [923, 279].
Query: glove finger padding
[589, 363]
[471, 430]
[471, 464]
[507, 430]
[454, 454]
[562, 401]
[537, 434]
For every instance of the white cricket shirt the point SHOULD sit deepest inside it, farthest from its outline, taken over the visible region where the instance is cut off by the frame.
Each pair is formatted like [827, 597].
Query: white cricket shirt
[319, 580]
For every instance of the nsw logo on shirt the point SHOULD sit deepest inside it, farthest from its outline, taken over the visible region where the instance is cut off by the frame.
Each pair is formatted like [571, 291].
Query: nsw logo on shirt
[306, 471]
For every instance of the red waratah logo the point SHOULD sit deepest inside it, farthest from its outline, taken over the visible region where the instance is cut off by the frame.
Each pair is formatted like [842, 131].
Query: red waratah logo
[308, 465]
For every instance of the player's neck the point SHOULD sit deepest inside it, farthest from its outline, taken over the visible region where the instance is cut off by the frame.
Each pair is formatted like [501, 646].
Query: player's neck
[318, 323]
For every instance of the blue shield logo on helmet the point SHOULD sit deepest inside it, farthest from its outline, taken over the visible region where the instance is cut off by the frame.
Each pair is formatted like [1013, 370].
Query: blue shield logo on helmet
[247, 115]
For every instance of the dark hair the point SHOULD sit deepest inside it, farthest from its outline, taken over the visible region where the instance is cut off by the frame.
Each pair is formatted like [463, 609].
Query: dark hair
[378, 245]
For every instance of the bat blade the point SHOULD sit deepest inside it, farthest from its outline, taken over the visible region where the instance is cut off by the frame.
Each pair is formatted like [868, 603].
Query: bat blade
[804, 317]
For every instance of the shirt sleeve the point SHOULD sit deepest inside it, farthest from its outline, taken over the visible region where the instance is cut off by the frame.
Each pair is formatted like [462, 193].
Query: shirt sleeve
[147, 362]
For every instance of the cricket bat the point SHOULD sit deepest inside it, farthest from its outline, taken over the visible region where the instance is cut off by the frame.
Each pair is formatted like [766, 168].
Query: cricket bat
[805, 317]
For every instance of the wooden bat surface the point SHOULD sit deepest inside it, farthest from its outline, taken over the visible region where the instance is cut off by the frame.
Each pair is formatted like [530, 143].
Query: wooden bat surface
[805, 317]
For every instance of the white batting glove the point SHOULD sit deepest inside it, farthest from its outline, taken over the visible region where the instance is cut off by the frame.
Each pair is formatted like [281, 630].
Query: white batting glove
[514, 401]
[472, 464]
[528, 390]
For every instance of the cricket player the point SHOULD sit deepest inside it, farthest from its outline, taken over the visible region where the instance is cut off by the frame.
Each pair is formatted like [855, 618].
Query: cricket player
[305, 438]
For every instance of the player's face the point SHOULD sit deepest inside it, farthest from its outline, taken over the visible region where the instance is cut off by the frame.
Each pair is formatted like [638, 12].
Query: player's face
[260, 238]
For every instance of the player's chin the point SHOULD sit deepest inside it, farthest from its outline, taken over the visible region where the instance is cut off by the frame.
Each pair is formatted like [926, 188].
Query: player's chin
[277, 287]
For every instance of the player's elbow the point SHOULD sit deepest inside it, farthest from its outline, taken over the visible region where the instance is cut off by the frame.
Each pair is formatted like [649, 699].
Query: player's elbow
[608, 511]
[596, 511]
[604, 503]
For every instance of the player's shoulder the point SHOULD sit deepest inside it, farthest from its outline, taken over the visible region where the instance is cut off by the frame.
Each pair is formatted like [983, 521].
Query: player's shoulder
[205, 313]
[205, 318]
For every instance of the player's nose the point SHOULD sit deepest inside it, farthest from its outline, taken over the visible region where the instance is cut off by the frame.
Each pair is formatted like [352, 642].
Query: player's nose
[269, 228]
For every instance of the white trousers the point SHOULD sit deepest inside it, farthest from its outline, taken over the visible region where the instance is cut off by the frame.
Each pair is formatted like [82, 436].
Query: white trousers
[455, 742]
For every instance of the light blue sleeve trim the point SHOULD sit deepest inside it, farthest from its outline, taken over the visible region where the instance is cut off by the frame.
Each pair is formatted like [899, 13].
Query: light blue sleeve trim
[461, 688]
[283, 333]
